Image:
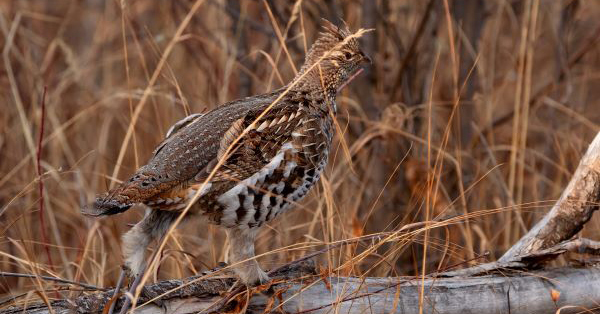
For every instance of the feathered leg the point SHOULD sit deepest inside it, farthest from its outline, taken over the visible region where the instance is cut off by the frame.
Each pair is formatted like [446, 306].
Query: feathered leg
[242, 254]
[136, 240]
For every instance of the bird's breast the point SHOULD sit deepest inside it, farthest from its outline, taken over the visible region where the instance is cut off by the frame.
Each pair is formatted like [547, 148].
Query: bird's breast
[281, 183]
[284, 181]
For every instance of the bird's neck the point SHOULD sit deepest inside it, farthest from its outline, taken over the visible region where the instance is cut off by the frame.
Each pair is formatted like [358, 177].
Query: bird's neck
[317, 77]
[319, 88]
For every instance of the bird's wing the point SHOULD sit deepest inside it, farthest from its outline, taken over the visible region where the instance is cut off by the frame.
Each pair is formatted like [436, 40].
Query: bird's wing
[155, 177]
[190, 153]
[175, 128]
[251, 143]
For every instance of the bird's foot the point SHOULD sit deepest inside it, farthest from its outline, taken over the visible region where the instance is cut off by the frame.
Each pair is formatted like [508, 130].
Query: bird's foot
[264, 284]
[145, 293]
[261, 278]
[131, 292]
[254, 277]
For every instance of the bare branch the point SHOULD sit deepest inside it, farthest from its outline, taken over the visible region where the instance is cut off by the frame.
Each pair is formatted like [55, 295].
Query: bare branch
[574, 208]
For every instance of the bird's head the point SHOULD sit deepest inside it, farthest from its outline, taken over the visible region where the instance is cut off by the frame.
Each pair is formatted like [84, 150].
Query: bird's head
[333, 57]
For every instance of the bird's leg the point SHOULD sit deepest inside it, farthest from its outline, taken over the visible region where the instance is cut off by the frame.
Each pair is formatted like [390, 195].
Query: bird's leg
[244, 264]
[242, 255]
[136, 240]
[136, 282]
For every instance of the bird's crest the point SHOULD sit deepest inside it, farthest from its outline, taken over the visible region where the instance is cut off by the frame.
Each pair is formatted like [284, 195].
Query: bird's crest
[330, 39]
[331, 59]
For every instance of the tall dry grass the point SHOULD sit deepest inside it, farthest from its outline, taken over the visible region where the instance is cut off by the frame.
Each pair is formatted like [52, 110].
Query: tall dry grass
[474, 111]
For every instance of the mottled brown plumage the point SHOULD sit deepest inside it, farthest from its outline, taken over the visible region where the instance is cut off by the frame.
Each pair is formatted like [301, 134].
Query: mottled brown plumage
[284, 141]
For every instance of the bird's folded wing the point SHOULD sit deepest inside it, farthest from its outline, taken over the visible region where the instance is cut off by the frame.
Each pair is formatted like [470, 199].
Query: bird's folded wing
[238, 143]
[249, 144]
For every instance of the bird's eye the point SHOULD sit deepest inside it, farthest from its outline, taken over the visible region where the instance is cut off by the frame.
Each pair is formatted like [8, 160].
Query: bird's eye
[347, 55]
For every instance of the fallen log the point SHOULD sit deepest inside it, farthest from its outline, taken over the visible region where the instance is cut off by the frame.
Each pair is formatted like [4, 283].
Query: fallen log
[544, 291]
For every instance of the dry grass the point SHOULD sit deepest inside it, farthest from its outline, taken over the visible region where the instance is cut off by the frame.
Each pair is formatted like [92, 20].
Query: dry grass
[476, 110]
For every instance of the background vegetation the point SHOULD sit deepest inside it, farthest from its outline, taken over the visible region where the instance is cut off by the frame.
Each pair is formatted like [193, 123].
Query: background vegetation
[475, 111]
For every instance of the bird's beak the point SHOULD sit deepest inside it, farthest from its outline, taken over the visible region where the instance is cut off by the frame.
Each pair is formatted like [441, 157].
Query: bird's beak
[366, 58]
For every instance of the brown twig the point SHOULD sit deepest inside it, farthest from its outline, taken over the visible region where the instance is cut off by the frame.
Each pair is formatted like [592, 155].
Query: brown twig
[41, 182]
[20, 275]
[413, 46]
[14, 298]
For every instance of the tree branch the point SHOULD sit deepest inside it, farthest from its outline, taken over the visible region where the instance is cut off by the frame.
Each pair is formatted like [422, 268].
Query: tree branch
[574, 208]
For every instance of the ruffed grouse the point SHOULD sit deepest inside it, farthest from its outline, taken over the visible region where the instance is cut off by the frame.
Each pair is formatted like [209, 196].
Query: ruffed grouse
[284, 144]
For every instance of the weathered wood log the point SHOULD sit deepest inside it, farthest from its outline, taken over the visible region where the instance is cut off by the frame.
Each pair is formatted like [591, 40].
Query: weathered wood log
[513, 292]
[574, 208]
